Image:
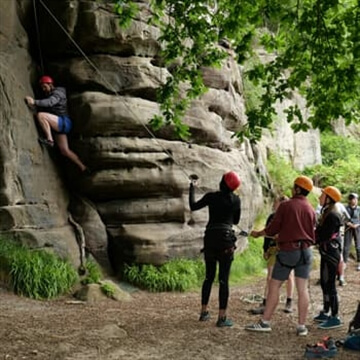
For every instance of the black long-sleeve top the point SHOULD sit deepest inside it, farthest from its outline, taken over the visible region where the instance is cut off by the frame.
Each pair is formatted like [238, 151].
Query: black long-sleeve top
[224, 207]
[329, 229]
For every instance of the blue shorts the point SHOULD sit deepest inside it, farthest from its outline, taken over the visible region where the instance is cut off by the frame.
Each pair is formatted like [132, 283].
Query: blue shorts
[65, 124]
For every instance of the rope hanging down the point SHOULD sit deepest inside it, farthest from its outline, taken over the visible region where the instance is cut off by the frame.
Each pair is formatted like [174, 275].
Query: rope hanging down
[38, 37]
[242, 232]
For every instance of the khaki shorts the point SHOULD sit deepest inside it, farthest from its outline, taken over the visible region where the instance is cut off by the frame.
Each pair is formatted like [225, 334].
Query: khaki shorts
[270, 255]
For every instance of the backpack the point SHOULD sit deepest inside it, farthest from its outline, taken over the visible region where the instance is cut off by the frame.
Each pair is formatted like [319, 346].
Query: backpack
[352, 340]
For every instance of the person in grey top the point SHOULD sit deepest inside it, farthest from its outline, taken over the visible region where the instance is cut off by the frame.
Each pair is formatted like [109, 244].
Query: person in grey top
[52, 115]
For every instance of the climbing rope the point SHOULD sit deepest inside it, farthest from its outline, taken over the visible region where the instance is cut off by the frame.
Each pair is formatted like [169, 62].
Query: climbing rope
[38, 37]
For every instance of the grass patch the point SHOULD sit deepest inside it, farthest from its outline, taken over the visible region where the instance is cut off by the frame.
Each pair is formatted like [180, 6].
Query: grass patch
[249, 263]
[176, 275]
[35, 273]
[93, 273]
[184, 275]
[108, 289]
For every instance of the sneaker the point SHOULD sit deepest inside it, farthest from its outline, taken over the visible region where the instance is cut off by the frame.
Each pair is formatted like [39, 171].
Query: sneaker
[332, 323]
[321, 317]
[224, 322]
[342, 282]
[258, 311]
[204, 316]
[301, 331]
[358, 267]
[288, 308]
[259, 327]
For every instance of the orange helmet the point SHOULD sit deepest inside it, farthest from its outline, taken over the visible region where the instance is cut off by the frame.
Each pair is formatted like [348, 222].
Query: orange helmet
[232, 180]
[333, 193]
[304, 182]
[46, 80]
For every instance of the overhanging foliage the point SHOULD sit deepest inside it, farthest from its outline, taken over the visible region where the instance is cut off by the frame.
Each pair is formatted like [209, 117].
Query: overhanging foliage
[317, 49]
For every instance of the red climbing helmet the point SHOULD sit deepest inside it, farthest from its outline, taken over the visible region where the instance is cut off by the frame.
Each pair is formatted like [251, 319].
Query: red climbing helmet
[46, 80]
[232, 180]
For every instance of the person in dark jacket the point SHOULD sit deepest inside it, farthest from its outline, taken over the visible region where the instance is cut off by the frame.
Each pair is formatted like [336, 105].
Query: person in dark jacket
[219, 240]
[352, 229]
[53, 118]
[329, 241]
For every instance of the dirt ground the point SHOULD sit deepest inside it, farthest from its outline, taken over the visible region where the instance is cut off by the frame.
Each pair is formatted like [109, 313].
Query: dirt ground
[161, 326]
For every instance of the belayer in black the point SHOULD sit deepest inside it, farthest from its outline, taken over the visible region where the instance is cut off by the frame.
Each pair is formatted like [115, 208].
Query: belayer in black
[219, 240]
[329, 241]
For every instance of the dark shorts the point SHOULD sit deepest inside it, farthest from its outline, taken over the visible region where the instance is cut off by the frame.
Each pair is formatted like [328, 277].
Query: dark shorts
[299, 260]
[65, 124]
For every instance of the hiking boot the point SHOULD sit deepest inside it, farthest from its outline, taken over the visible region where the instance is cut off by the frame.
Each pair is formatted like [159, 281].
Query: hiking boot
[301, 331]
[259, 327]
[321, 317]
[224, 322]
[332, 323]
[288, 308]
[204, 316]
[258, 311]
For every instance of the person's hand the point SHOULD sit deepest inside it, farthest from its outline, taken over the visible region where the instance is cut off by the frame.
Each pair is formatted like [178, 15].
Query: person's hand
[255, 234]
[266, 255]
[29, 100]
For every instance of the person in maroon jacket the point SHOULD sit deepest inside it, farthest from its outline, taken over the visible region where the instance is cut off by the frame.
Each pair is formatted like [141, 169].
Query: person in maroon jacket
[52, 115]
[294, 222]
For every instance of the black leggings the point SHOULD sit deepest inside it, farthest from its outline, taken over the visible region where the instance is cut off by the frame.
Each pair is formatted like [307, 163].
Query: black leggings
[328, 270]
[225, 260]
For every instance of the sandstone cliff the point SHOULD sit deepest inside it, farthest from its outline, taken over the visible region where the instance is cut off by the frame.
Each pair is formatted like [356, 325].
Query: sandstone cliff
[135, 202]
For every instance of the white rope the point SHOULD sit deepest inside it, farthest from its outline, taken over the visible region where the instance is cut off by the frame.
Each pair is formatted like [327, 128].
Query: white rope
[38, 37]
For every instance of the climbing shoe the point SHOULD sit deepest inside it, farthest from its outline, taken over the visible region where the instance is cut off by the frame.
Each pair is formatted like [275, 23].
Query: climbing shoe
[224, 322]
[321, 317]
[332, 322]
[259, 327]
[204, 316]
[87, 172]
[46, 142]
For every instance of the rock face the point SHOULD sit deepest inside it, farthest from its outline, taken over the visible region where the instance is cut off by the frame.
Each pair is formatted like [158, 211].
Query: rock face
[135, 204]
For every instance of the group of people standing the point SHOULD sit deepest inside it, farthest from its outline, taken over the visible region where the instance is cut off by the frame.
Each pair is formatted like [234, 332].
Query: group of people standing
[289, 235]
